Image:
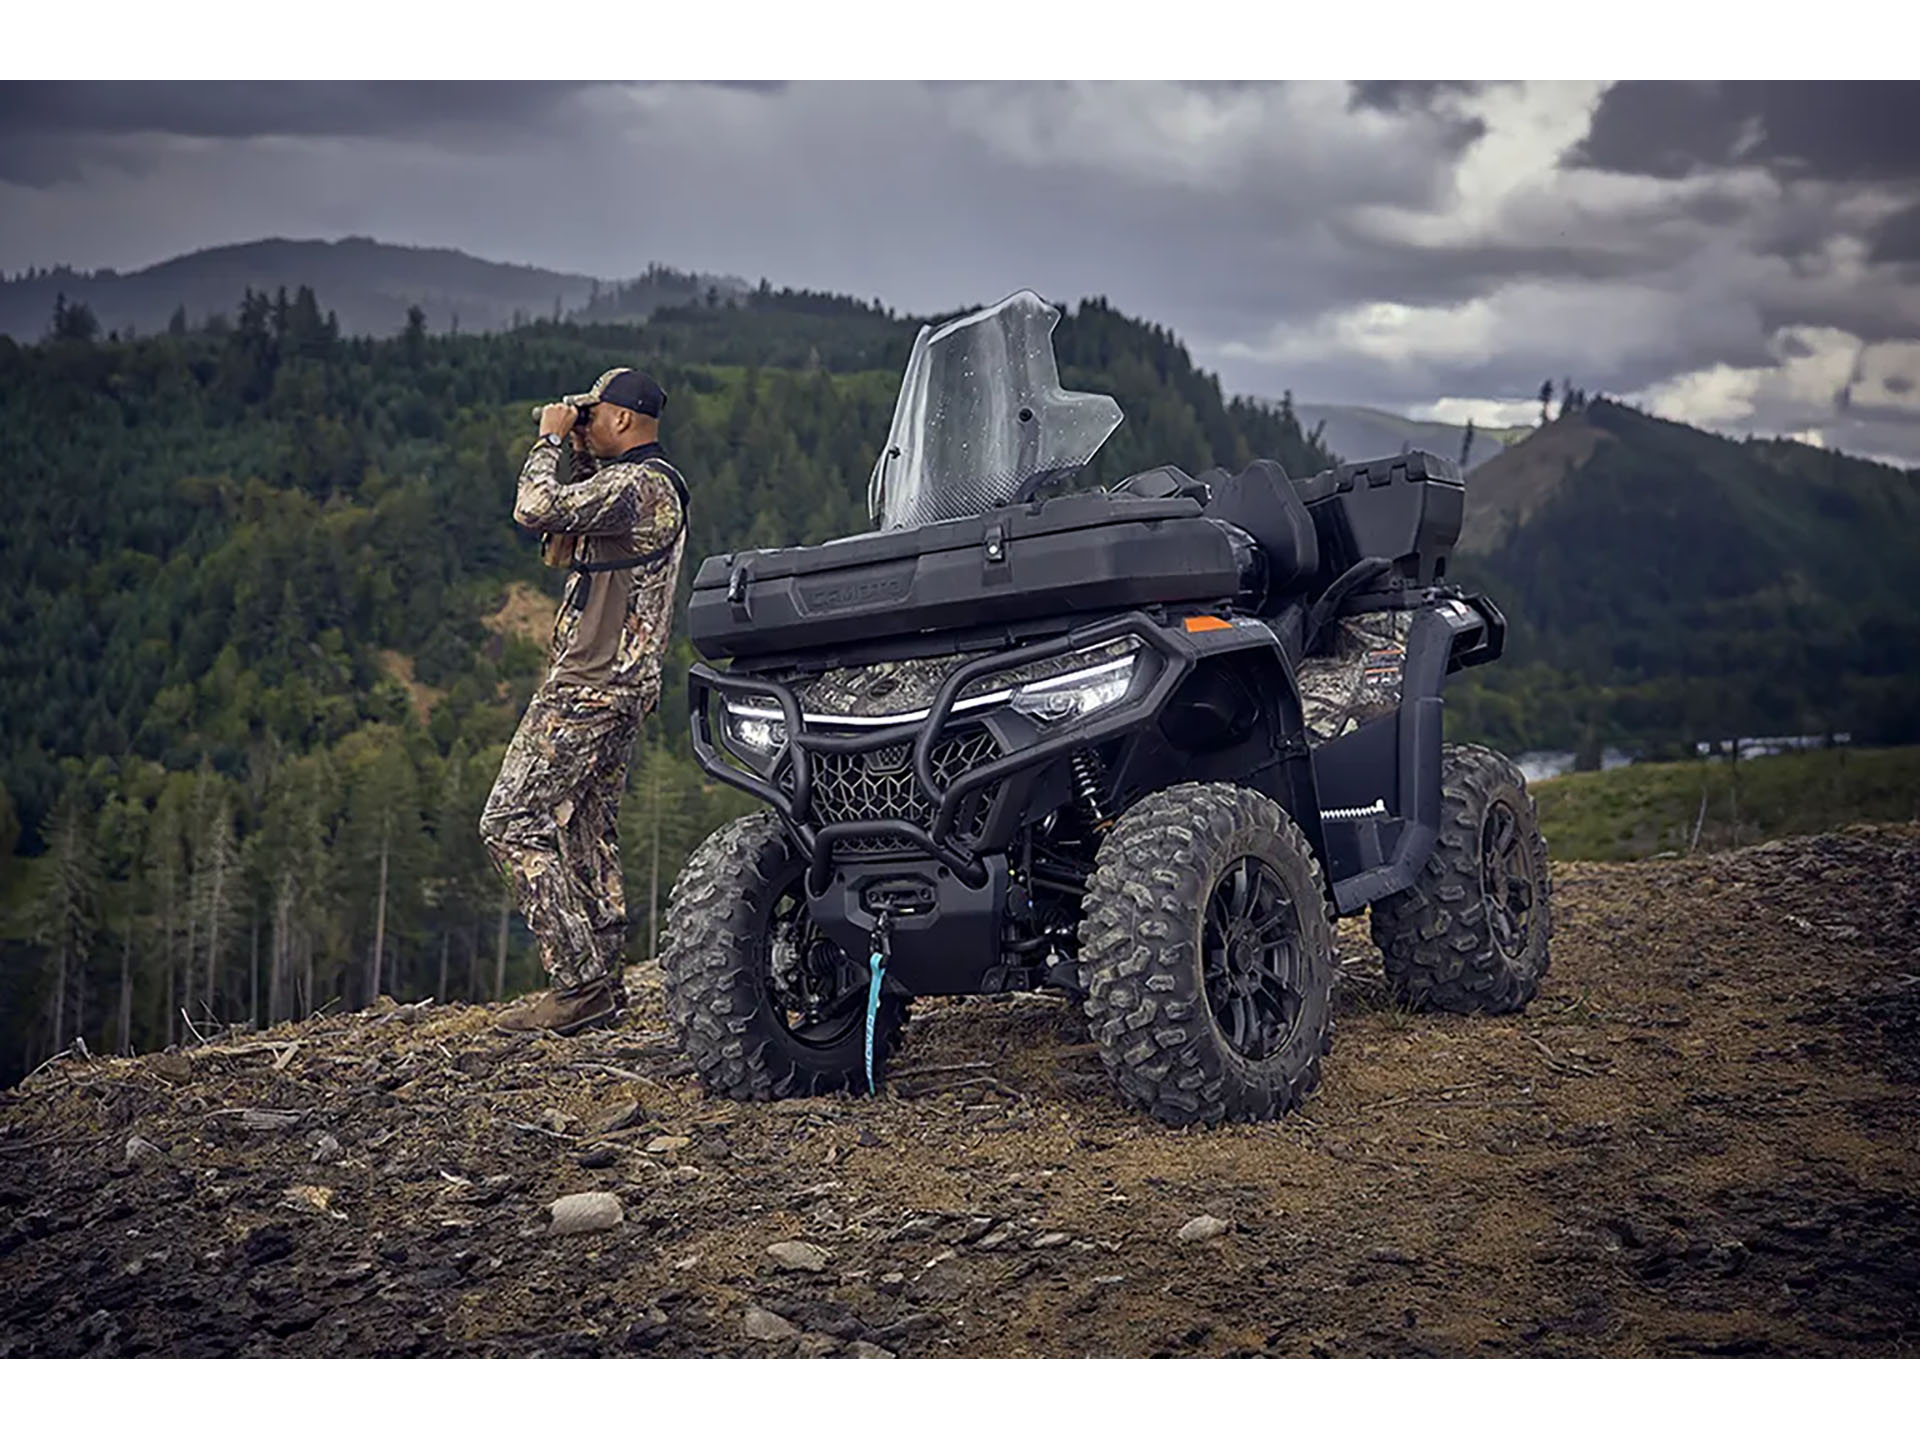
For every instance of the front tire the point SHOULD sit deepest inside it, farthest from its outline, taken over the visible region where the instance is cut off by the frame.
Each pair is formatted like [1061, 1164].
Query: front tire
[1206, 949]
[762, 1003]
[1471, 934]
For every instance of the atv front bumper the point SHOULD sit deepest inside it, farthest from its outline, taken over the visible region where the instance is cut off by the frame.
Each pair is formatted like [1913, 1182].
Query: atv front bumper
[932, 876]
[797, 760]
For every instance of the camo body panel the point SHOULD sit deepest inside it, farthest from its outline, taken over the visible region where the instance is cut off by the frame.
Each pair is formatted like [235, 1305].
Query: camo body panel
[551, 823]
[894, 687]
[612, 628]
[1360, 679]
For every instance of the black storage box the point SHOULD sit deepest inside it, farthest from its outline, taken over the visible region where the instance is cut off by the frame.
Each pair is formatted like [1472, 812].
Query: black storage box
[1081, 553]
[1406, 508]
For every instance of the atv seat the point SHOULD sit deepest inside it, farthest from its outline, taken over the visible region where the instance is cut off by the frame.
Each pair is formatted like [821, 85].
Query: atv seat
[1261, 500]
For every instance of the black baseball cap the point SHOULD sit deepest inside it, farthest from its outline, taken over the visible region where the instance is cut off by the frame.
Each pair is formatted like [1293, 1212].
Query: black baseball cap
[630, 389]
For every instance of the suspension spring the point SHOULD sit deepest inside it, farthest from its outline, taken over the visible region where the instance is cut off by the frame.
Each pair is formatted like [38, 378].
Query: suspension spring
[1088, 780]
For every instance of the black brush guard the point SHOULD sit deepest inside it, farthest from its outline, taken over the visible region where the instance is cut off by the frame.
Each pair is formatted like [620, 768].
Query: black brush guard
[795, 806]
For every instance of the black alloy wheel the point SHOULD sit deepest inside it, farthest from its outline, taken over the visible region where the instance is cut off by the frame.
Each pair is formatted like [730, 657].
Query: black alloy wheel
[1251, 959]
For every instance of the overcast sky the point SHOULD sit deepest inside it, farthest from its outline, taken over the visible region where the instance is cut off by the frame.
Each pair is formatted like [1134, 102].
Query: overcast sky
[1744, 256]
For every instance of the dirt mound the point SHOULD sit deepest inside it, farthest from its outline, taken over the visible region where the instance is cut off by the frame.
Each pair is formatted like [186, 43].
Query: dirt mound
[1698, 1141]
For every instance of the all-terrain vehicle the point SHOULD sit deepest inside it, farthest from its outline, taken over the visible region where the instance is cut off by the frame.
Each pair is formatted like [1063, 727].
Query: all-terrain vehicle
[1139, 744]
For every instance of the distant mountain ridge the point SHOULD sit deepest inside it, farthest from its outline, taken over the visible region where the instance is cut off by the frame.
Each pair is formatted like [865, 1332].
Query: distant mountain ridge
[368, 284]
[1360, 432]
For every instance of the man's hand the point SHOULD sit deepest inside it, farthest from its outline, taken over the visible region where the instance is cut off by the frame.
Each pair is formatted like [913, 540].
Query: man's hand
[557, 419]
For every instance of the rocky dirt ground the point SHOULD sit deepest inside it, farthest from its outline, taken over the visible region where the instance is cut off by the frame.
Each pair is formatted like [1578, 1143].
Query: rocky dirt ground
[1699, 1141]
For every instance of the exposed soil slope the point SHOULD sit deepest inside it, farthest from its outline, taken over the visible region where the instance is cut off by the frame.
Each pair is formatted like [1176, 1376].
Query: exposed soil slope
[1698, 1141]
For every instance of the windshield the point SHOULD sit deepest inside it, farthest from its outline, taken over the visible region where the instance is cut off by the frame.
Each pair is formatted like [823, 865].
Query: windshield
[981, 420]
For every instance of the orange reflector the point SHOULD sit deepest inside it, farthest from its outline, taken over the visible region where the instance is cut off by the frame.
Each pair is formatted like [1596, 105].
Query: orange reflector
[1196, 623]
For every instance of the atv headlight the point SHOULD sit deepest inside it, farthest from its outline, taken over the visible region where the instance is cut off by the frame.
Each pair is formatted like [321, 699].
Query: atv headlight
[758, 732]
[1077, 693]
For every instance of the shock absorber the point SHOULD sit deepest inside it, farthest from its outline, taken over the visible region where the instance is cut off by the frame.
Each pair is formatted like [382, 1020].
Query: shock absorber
[1089, 778]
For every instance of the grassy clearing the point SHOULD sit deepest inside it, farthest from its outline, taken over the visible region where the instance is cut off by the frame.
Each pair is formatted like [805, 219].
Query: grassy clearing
[1642, 810]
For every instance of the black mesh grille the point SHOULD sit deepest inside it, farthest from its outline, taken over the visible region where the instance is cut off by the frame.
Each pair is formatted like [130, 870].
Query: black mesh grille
[879, 785]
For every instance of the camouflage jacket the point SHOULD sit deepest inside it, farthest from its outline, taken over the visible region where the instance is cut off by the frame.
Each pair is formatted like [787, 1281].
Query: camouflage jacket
[613, 626]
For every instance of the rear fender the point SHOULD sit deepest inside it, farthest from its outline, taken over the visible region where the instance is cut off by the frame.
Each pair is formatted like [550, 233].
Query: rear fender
[1381, 783]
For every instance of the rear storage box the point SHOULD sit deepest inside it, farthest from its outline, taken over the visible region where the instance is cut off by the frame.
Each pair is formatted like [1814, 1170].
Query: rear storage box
[1406, 508]
[1085, 553]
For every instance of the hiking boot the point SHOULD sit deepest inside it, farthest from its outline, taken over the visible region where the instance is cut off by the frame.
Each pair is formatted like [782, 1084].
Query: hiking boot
[567, 1012]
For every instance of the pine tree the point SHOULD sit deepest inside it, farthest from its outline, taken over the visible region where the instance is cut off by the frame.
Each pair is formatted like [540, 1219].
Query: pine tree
[65, 909]
[161, 870]
[9, 827]
[388, 851]
[221, 865]
[414, 338]
[1466, 446]
[75, 321]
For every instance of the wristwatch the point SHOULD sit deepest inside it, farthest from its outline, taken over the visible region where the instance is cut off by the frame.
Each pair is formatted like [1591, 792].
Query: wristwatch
[553, 440]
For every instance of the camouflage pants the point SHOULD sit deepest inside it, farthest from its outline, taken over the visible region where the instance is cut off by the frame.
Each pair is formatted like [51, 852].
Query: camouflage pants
[552, 824]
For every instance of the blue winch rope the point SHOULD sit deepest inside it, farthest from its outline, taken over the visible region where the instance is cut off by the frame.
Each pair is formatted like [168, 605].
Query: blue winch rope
[876, 968]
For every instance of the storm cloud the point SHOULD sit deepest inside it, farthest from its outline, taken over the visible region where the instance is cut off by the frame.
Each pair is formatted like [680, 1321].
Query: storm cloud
[1737, 255]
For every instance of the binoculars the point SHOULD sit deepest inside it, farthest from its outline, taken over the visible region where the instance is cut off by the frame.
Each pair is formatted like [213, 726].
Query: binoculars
[580, 412]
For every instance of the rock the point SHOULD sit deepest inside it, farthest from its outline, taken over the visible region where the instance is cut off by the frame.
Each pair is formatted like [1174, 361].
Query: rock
[905, 1326]
[649, 1330]
[326, 1149]
[552, 1119]
[142, 1151]
[867, 1138]
[863, 1350]
[314, 1199]
[667, 1144]
[798, 1255]
[1049, 1241]
[765, 1325]
[1387, 1255]
[813, 1347]
[891, 1283]
[1203, 1227]
[615, 1117]
[585, 1213]
[268, 1119]
[598, 1158]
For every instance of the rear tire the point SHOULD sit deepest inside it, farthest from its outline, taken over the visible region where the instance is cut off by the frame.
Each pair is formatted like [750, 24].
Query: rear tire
[1206, 949]
[1471, 934]
[732, 992]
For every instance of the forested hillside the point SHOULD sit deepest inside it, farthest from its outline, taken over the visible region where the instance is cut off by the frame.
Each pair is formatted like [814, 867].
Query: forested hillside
[269, 626]
[1667, 585]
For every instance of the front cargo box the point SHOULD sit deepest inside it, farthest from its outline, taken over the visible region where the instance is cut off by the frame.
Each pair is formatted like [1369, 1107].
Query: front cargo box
[1088, 553]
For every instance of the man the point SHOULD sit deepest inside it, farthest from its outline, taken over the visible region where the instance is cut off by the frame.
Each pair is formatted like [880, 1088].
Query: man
[551, 821]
